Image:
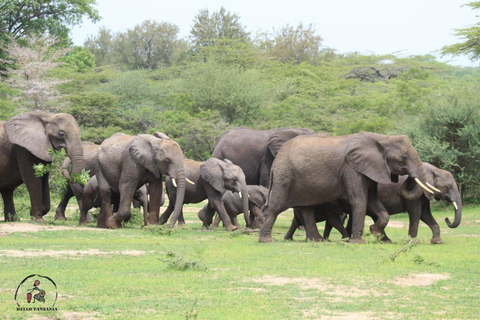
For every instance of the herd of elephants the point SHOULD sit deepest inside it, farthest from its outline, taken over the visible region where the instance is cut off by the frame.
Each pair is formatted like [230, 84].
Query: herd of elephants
[259, 173]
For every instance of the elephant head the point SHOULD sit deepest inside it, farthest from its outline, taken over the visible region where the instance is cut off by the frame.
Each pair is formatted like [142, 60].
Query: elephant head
[223, 175]
[446, 189]
[39, 131]
[383, 158]
[161, 156]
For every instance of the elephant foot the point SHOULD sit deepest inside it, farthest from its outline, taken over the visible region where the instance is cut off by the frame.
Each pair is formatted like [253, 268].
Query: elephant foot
[288, 238]
[231, 228]
[89, 218]
[436, 240]
[375, 230]
[357, 241]
[265, 238]
[39, 219]
[60, 216]
[12, 218]
[205, 228]
[386, 239]
[112, 223]
[152, 221]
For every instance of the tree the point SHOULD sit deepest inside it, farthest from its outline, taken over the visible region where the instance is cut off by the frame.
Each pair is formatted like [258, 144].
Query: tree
[101, 46]
[207, 29]
[20, 18]
[33, 61]
[290, 44]
[471, 39]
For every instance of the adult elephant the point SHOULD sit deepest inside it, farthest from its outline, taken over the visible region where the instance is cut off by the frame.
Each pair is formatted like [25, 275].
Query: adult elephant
[311, 170]
[254, 150]
[24, 141]
[212, 179]
[90, 151]
[257, 196]
[125, 163]
[439, 180]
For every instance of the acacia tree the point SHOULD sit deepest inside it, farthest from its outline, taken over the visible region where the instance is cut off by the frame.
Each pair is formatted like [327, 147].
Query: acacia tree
[292, 44]
[32, 63]
[470, 45]
[209, 28]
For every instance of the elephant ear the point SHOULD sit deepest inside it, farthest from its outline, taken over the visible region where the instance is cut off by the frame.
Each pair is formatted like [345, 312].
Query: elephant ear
[142, 153]
[161, 135]
[28, 130]
[257, 195]
[212, 172]
[276, 140]
[366, 155]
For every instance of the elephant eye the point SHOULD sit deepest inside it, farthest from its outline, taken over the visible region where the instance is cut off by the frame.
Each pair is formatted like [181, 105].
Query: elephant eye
[61, 133]
[167, 160]
[404, 157]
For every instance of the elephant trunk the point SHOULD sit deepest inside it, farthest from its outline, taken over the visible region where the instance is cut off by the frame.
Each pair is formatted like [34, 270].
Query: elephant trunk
[246, 208]
[180, 179]
[65, 166]
[75, 153]
[458, 215]
[411, 190]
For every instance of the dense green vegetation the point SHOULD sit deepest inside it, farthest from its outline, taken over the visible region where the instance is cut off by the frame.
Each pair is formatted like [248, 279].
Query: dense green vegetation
[186, 273]
[148, 79]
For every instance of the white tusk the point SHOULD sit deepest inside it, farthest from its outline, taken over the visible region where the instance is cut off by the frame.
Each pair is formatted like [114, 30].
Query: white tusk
[241, 195]
[432, 187]
[189, 181]
[455, 205]
[248, 196]
[423, 186]
[174, 182]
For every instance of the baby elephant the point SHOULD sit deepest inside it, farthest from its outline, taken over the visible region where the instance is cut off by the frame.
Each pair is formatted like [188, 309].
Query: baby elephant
[257, 196]
[333, 213]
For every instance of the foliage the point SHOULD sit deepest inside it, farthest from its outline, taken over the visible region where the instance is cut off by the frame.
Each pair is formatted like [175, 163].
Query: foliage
[176, 261]
[101, 46]
[470, 37]
[447, 135]
[292, 44]
[208, 28]
[78, 59]
[33, 61]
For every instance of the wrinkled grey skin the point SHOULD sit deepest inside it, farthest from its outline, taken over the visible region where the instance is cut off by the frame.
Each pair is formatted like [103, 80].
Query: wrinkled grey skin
[419, 209]
[254, 150]
[257, 196]
[24, 142]
[90, 151]
[334, 215]
[91, 198]
[125, 163]
[312, 170]
[212, 179]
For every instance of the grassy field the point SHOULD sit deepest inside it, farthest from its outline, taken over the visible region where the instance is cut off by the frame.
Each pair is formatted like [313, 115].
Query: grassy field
[186, 273]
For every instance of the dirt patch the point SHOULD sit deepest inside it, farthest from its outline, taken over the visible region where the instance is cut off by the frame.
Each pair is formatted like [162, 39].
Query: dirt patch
[319, 284]
[56, 253]
[80, 315]
[396, 224]
[420, 279]
[30, 227]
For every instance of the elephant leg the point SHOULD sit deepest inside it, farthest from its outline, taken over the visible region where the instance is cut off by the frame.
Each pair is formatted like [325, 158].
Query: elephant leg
[258, 218]
[308, 214]
[123, 212]
[34, 184]
[167, 213]
[216, 222]
[428, 218]
[374, 228]
[9, 206]
[375, 207]
[45, 195]
[205, 215]
[155, 191]
[358, 201]
[414, 209]
[106, 205]
[234, 220]
[291, 231]
[62, 206]
[215, 201]
[334, 220]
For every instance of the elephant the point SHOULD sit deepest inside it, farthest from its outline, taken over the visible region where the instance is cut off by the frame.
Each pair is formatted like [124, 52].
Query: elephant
[212, 179]
[125, 163]
[90, 151]
[254, 150]
[312, 169]
[91, 198]
[438, 180]
[257, 196]
[332, 212]
[24, 141]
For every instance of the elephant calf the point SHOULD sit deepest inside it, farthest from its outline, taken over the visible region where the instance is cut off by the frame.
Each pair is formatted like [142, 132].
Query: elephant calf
[257, 196]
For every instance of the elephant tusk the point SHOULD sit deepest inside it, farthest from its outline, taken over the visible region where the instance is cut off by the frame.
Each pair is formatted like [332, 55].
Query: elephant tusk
[423, 186]
[432, 187]
[174, 182]
[241, 195]
[189, 181]
[455, 205]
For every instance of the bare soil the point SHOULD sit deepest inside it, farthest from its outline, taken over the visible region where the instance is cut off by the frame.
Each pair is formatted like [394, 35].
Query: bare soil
[420, 279]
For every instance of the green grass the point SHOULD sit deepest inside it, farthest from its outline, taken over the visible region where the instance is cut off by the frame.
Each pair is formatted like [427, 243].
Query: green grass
[186, 273]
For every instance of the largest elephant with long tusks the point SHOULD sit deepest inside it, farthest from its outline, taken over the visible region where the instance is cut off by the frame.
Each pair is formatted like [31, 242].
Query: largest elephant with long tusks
[24, 141]
[125, 163]
[311, 170]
